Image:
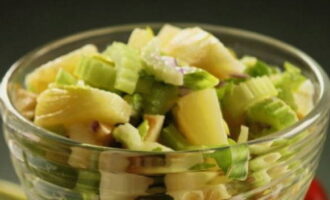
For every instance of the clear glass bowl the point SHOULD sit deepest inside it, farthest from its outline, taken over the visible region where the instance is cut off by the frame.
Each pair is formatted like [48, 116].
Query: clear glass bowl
[52, 167]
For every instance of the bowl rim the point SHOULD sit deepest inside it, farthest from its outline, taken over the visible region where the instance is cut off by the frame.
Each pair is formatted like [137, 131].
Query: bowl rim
[321, 106]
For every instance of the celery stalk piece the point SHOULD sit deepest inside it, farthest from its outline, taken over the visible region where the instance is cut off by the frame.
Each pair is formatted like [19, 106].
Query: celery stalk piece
[158, 66]
[244, 95]
[200, 79]
[72, 104]
[260, 178]
[129, 136]
[264, 161]
[39, 79]
[171, 137]
[136, 102]
[128, 65]
[273, 112]
[140, 37]
[64, 78]
[260, 68]
[97, 72]
[160, 98]
[233, 160]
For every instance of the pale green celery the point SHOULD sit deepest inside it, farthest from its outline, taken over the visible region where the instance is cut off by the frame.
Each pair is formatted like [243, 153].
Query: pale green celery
[273, 112]
[160, 98]
[247, 93]
[97, 72]
[158, 66]
[128, 135]
[143, 128]
[264, 161]
[200, 79]
[288, 82]
[260, 68]
[171, 137]
[260, 178]
[128, 65]
[233, 160]
[222, 91]
[261, 148]
[64, 78]
[136, 102]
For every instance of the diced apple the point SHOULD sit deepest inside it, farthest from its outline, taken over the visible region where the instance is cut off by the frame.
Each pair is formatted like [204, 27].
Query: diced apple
[74, 104]
[201, 49]
[155, 125]
[38, 80]
[199, 118]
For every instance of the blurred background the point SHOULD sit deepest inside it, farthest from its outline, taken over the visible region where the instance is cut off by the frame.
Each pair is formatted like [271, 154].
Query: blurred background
[25, 25]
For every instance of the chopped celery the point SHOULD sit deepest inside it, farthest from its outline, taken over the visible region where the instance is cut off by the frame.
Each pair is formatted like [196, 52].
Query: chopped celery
[97, 72]
[288, 82]
[144, 85]
[160, 98]
[200, 79]
[136, 102]
[226, 87]
[260, 178]
[171, 137]
[273, 112]
[128, 66]
[158, 66]
[233, 160]
[245, 94]
[143, 128]
[140, 37]
[128, 135]
[64, 78]
[264, 161]
[260, 68]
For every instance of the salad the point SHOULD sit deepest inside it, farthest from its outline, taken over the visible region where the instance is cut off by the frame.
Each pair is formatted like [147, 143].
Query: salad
[177, 90]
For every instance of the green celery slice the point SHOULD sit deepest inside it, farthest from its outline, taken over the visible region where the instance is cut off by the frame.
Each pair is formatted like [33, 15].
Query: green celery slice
[245, 94]
[171, 137]
[64, 78]
[200, 79]
[158, 66]
[128, 66]
[288, 82]
[233, 160]
[128, 135]
[97, 72]
[160, 98]
[260, 68]
[273, 112]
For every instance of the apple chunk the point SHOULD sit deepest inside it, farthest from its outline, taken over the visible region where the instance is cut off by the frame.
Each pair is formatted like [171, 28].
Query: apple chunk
[199, 118]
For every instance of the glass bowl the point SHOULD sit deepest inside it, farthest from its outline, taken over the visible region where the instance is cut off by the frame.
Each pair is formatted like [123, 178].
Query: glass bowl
[53, 167]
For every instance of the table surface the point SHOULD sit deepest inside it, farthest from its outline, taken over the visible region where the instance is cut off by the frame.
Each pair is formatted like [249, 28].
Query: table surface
[24, 26]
